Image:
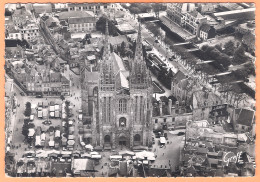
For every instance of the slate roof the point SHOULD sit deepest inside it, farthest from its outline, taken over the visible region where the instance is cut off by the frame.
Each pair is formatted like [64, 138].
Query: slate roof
[74, 14]
[179, 76]
[205, 27]
[245, 116]
[80, 20]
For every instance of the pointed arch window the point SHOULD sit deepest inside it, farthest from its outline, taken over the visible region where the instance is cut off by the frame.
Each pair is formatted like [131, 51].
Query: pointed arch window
[122, 106]
[106, 78]
[138, 78]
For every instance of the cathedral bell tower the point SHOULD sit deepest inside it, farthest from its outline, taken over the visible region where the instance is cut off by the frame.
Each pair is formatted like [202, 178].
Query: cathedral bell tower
[106, 96]
[141, 95]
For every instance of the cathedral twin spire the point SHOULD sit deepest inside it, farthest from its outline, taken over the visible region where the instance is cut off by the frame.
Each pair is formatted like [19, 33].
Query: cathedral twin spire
[139, 73]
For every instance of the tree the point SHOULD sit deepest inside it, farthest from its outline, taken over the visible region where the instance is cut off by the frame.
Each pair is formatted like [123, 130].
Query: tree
[204, 47]
[172, 98]
[241, 74]
[239, 56]
[157, 7]
[62, 97]
[153, 28]
[25, 128]
[122, 49]
[164, 99]
[218, 47]
[101, 26]
[28, 109]
[134, 10]
[229, 48]
[250, 67]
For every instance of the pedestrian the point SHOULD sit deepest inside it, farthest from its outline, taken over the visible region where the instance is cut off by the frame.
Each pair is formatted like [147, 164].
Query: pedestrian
[102, 168]
[163, 154]
[169, 161]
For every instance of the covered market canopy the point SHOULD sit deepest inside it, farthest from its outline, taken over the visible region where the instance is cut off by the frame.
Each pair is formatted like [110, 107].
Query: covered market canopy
[145, 155]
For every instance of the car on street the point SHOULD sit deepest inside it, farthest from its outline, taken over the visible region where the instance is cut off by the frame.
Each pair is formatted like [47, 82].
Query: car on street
[181, 133]
[47, 122]
[21, 93]
[161, 146]
[171, 59]
[39, 95]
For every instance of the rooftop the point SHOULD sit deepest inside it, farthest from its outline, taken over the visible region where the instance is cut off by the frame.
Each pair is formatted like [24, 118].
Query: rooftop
[75, 14]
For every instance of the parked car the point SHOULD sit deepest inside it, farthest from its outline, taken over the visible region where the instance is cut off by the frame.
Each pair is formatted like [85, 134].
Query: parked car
[181, 133]
[21, 93]
[39, 95]
[156, 41]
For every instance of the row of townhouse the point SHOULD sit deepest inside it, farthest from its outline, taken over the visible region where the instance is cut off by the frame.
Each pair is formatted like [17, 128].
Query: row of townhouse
[48, 83]
[186, 15]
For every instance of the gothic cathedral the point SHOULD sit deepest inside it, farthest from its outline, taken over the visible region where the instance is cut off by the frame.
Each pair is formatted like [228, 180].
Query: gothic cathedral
[122, 113]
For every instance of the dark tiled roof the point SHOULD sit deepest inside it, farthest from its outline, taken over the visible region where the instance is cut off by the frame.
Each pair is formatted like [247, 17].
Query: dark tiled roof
[202, 150]
[79, 20]
[74, 14]
[245, 116]
[205, 27]
[179, 76]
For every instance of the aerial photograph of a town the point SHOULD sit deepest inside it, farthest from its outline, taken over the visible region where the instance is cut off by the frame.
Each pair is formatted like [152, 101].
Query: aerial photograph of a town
[130, 90]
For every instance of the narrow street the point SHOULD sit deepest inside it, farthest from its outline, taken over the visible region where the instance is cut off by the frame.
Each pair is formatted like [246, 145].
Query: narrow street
[75, 100]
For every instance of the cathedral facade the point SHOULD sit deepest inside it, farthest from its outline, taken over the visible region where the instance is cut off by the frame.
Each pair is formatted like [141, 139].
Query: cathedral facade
[117, 103]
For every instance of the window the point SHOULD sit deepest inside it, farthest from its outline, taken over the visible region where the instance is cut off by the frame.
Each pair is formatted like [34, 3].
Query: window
[95, 91]
[122, 122]
[165, 120]
[106, 78]
[173, 119]
[107, 139]
[139, 78]
[137, 138]
[156, 121]
[122, 105]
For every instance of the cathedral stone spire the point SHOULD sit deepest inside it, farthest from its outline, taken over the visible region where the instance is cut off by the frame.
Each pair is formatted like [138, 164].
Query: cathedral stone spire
[107, 63]
[139, 49]
[107, 52]
[139, 76]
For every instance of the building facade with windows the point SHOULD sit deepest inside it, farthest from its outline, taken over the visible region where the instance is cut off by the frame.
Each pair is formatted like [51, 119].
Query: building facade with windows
[30, 31]
[94, 7]
[118, 104]
[79, 21]
[186, 15]
[86, 24]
